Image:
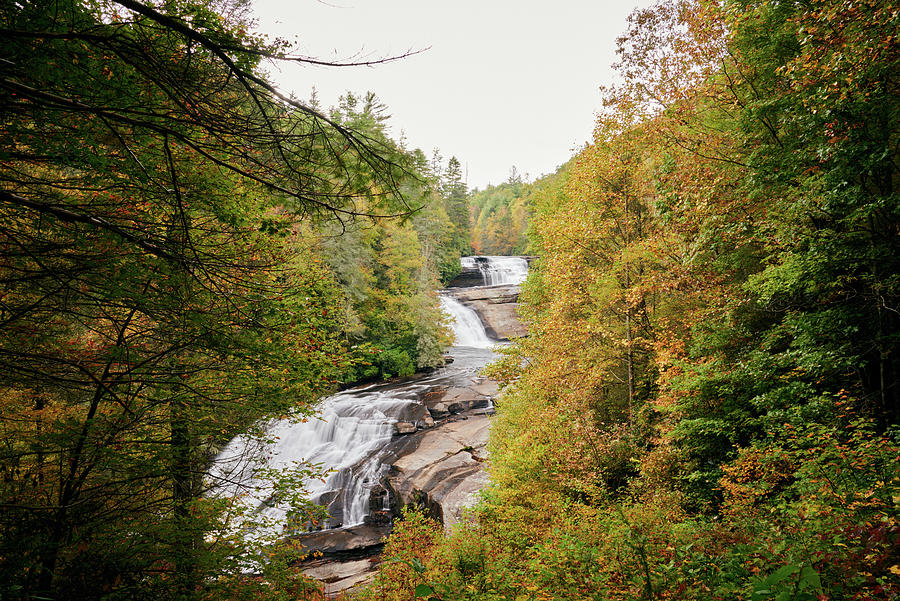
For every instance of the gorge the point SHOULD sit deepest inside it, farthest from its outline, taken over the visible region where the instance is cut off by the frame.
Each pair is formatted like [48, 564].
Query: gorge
[382, 446]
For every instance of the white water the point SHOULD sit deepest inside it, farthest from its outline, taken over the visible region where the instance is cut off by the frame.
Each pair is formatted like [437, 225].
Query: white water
[497, 270]
[467, 327]
[346, 439]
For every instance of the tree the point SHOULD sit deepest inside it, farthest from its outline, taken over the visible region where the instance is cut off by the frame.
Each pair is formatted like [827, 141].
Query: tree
[453, 189]
[501, 215]
[390, 269]
[710, 373]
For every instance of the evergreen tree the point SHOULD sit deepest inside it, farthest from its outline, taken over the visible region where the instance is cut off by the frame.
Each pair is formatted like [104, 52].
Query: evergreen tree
[454, 191]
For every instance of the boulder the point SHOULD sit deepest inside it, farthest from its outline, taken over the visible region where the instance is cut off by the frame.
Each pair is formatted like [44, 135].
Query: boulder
[404, 428]
[413, 413]
[439, 411]
[463, 399]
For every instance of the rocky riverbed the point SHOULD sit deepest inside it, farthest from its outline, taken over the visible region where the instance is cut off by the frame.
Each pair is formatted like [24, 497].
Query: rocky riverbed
[437, 464]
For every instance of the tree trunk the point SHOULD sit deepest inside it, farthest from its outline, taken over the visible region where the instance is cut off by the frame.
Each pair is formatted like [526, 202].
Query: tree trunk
[184, 537]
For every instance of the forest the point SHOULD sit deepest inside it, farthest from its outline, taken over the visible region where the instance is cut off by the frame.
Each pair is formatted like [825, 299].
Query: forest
[184, 252]
[706, 405]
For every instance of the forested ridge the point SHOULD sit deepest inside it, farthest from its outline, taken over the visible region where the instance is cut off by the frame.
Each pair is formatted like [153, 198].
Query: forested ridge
[706, 406]
[500, 215]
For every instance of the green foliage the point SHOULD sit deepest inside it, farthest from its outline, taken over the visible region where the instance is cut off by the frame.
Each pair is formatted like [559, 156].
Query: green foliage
[500, 215]
[789, 583]
[389, 270]
[402, 574]
[453, 190]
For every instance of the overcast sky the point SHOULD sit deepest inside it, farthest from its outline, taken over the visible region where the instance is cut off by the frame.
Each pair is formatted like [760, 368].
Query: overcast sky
[503, 82]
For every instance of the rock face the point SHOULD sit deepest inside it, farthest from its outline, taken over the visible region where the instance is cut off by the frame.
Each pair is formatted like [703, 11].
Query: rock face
[469, 276]
[497, 306]
[341, 541]
[443, 468]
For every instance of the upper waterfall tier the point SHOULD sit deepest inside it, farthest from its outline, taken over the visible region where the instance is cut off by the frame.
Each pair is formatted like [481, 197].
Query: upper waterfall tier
[494, 270]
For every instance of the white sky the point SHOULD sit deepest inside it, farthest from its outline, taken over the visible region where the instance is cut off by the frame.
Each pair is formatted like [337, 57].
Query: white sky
[504, 83]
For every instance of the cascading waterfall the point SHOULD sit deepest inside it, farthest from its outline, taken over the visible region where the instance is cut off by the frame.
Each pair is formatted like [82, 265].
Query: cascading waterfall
[497, 270]
[348, 438]
[467, 327]
[345, 440]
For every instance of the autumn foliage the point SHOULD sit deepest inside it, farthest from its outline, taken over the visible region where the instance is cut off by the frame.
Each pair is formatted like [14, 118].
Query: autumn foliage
[707, 404]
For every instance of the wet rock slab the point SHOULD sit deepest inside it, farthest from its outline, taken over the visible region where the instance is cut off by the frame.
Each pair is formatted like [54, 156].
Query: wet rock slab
[442, 469]
[341, 541]
[344, 558]
[339, 576]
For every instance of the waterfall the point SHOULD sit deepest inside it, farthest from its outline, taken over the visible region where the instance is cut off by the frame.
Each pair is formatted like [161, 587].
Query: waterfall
[497, 270]
[467, 327]
[345, 439]
[349, 437]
